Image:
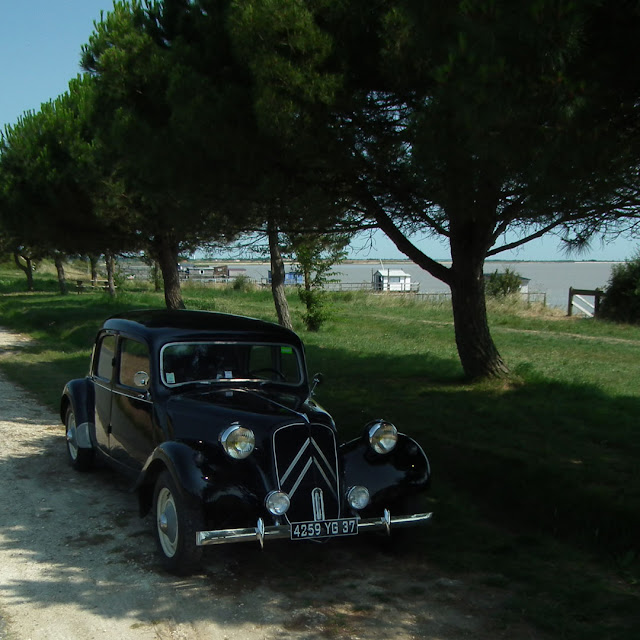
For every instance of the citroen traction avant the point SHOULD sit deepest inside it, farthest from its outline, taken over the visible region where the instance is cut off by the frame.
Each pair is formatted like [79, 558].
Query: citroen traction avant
[212, 417]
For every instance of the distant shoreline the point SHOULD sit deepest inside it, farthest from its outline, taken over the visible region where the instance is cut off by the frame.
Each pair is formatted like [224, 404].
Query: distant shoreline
[377, 261]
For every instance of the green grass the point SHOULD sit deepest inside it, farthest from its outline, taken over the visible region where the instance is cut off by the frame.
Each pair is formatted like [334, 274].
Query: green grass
[536, 479]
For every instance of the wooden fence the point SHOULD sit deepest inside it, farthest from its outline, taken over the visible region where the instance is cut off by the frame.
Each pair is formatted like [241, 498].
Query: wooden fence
[578, 301]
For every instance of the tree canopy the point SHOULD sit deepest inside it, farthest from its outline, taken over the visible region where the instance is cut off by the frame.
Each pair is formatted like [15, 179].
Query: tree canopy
[468, 120]
[485, 122]
[54, 192]
[174, 110]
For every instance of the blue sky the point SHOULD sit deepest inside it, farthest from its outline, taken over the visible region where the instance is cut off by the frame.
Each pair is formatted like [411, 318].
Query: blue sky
[40, 44]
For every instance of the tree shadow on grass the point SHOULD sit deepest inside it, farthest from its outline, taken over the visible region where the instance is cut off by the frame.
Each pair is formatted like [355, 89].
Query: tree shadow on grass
[516, 466]
[545, 457]
[557, 457]
[72, 317]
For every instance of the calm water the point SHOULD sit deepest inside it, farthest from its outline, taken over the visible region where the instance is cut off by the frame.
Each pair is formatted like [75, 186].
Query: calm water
[552, 278]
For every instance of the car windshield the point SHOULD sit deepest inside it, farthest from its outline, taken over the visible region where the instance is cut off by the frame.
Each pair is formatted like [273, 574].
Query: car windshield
[222, 362]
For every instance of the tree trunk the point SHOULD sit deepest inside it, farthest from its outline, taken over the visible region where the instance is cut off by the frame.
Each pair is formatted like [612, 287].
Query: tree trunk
[93, 261]
[166, 252]
[27, 267]
[156, 274]
[478, 354]
[277, 278]
[62, 280]
[470, 242]
[110, 263]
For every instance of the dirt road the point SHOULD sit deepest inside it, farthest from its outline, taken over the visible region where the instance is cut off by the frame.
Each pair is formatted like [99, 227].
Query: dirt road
[76, 562]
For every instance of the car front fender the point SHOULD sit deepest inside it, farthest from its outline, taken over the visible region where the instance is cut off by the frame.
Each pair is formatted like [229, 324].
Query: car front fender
[201, 480]
[181, 461]
[390, 477]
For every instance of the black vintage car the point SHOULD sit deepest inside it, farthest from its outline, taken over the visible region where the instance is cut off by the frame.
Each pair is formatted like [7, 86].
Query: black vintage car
[212, 417]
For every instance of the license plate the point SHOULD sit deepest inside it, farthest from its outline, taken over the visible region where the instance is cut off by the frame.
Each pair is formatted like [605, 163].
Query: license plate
[324, 529]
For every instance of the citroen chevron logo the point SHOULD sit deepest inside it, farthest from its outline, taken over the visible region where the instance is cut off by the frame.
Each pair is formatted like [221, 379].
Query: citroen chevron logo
[297, 471]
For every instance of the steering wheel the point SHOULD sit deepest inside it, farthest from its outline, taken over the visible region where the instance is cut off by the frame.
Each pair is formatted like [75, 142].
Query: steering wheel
[256, 373]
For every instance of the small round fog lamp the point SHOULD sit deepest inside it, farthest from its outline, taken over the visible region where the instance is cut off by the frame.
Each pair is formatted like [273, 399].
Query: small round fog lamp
[358, 497]
[238, 442]
[382, 436]
[277, 502]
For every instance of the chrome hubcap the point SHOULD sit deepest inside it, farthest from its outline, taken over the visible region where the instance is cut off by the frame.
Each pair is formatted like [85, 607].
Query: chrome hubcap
[72, 443]
[167, 522]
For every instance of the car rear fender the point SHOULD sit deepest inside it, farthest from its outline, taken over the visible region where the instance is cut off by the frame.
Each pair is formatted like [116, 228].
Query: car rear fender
[78, 394]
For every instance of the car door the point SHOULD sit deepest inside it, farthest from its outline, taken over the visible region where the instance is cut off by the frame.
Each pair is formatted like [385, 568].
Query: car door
[102, 375]
[131, 438]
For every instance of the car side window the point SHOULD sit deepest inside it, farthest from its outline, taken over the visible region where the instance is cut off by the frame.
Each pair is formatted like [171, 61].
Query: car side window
[134, 357]
[106, 352]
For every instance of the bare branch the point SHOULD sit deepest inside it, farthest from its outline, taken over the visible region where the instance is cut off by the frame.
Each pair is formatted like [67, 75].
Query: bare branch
[525, 239]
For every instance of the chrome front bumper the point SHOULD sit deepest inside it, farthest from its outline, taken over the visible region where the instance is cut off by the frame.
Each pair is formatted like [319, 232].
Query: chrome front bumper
[261, 532]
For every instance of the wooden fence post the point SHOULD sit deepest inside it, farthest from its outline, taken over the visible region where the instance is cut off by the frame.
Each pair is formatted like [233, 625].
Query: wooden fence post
[570, 307]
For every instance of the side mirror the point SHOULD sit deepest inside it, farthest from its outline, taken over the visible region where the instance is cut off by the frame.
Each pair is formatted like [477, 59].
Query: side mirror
[141, 379]
[318, 378]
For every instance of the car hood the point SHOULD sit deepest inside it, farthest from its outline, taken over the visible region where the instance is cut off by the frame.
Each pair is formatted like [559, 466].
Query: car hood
[201, 415]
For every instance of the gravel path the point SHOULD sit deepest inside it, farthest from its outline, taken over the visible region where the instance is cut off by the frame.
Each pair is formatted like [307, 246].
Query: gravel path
[76, 562]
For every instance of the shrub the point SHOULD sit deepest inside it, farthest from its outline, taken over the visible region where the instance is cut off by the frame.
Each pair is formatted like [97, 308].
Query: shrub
[622, 295]
[500, 285]
[243, 283]
[316, 312]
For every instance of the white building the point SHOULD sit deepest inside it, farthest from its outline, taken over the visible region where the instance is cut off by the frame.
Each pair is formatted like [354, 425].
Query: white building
[391, 280]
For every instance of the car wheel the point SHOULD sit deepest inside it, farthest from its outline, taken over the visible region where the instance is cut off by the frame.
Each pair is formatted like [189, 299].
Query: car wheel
[80, 458]
[175, 526]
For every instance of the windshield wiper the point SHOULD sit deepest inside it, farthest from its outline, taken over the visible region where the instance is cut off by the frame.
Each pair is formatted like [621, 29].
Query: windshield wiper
[275, 402]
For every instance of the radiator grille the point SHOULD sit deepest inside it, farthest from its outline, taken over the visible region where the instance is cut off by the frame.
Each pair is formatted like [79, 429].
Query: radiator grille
[307, 469]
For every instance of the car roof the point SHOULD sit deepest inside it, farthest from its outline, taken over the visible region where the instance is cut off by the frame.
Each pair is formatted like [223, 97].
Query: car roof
[162, 325]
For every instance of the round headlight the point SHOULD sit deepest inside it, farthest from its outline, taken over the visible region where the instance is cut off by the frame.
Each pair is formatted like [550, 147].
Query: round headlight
[358, 497]
[237, 441]
[382, 436]
[277, 502]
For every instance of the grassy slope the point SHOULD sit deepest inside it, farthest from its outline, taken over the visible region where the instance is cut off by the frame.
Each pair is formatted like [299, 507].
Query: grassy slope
[536, 481]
